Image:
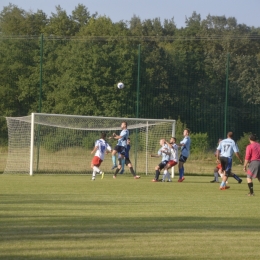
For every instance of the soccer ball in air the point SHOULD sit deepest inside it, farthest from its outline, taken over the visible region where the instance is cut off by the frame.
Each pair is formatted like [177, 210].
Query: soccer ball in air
[120, 85]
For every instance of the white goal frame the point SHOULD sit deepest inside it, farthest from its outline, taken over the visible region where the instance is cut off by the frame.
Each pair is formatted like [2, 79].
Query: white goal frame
[32, 122]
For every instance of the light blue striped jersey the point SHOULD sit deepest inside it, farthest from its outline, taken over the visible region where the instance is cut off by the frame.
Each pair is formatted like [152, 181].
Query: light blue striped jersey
[227, 148]
[185, 149]
[123, 140]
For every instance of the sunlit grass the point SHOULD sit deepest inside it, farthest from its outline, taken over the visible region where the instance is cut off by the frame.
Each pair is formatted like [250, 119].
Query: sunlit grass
[71, 217]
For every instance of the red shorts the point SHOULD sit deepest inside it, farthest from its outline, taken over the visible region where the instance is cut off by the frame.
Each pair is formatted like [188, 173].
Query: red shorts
[96, 161]
[172, 163]
[219, 166]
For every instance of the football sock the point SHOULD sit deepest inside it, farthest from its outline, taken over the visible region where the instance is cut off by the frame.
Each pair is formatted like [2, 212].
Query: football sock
[96, 169]
[181, 173]
[157, 173]
[114, 159]
[123, 164]
[223, 184]
[250, 186]
[132, 171]
[117, 171]
[216, 176]
[94, 174]
[236, 177]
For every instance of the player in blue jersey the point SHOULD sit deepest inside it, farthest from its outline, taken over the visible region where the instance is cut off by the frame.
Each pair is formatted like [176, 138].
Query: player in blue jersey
[164, 151]
[185, 152]
[218, 171]
[225, 151]
[101, 147]
[121, 145]
[127, 162]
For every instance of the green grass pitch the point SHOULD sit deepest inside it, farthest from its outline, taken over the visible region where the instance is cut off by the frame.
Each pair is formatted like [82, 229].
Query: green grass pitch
[72, 217]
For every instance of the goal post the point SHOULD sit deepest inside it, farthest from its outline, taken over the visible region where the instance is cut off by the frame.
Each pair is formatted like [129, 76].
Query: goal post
[58, 143]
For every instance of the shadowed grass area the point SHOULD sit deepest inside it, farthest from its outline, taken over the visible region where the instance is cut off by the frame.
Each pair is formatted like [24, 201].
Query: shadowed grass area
[71, 217]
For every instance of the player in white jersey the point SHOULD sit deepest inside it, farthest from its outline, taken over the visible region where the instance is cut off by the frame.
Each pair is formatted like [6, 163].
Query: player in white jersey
[173, 160]
[225, 151]
[164, 151]
[101, 147]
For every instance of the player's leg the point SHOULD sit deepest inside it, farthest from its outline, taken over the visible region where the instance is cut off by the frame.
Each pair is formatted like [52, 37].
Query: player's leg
[215, 175]
[158, 168]
[129, 164]
[119, 166]
[253, 171]
[123, 162]
[236, 177]
[157, 174]
[226, 164]
[96, 162]
[250, 185]
[98, 171]
[168, 166]
[114, 152]
[93, 172]
[182, 160]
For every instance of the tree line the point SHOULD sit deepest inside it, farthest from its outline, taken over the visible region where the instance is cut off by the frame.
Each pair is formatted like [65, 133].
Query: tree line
[70, 64]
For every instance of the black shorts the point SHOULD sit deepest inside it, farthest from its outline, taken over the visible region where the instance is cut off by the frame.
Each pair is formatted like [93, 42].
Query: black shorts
[120, 149]
[226, 164]
[183, 158]
[127, 161]
[162, 164]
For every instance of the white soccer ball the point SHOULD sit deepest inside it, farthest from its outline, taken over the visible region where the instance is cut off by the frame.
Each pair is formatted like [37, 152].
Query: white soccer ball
[120, 85]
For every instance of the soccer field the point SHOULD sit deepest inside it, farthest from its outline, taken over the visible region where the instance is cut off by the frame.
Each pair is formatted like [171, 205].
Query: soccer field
[71, 217]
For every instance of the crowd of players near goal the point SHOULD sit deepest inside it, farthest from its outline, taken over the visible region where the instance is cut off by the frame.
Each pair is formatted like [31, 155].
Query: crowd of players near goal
[169, 153]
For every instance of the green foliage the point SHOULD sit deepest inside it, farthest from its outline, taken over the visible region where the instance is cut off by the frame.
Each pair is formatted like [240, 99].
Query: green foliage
[182, 71]
[199, 143]
[242, 143]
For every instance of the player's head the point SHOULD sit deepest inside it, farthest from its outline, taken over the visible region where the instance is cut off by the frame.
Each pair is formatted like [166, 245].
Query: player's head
[172, 140]
[162, 142]
[128, 140]
[103, 135]
[230, 134]
[186, 131]
[253, 137]
[124, 125]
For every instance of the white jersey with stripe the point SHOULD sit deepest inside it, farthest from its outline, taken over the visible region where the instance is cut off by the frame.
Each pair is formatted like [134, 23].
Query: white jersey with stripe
[102, 146]
[174, 153]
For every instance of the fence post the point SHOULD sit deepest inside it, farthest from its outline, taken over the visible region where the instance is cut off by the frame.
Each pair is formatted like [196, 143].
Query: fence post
[226, 99]
[40, 102]
[137, 101]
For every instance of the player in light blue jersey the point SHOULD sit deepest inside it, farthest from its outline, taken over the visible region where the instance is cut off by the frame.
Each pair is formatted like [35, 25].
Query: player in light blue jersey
[121, 145]
[225, 151]
[185, 152]
[127, 162]
[164, 151]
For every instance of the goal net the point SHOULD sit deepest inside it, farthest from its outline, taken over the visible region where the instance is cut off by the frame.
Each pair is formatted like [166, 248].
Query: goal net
[51, 143]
